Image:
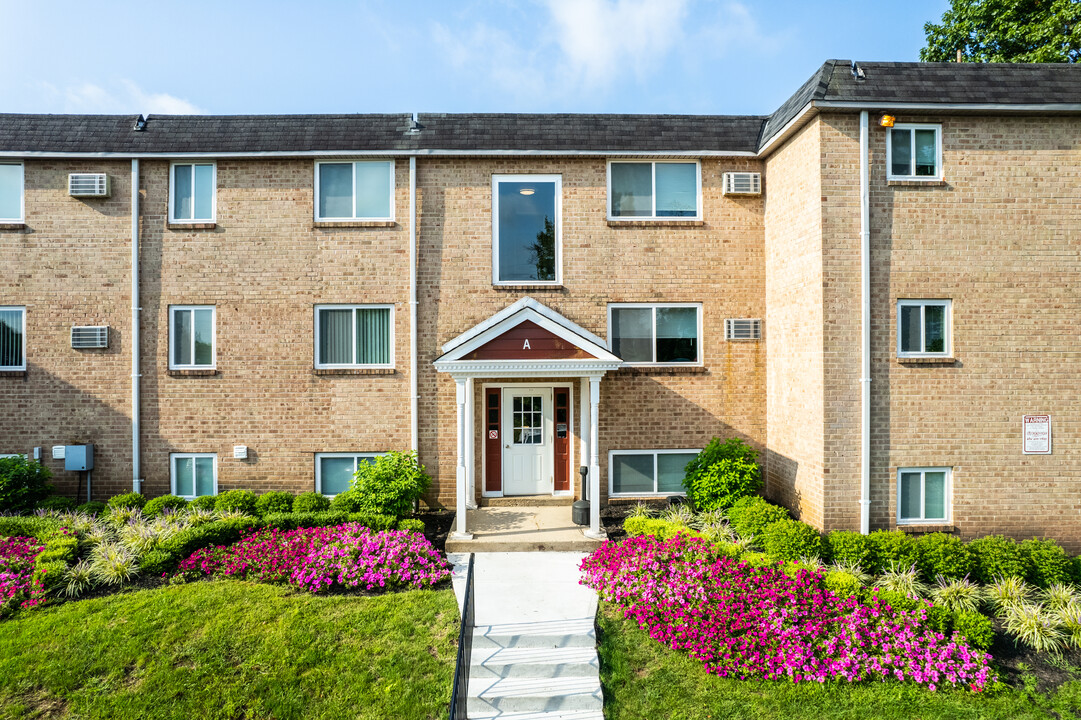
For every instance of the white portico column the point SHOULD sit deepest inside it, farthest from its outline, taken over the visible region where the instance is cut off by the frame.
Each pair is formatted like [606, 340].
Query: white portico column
[470, 442]
[594, 459]
[460, 531]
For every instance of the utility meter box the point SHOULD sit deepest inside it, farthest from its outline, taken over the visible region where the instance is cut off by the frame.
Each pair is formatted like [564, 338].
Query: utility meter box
[79, 457]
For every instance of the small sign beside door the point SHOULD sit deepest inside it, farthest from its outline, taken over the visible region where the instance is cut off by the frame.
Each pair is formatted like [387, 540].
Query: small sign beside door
[1037, 433]
[493, 434]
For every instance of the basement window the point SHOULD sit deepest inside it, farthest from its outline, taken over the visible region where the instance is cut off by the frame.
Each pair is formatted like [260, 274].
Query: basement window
[923, 328]
[923, 495]
[914, 152]
[360, 190]
[654, 190]
[635, 473]
[11, 192]
[192, 194]
[334, 471]
[193, 475]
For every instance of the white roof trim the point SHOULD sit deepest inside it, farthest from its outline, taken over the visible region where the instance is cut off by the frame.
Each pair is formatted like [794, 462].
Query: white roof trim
[531, 304]
[422, 152]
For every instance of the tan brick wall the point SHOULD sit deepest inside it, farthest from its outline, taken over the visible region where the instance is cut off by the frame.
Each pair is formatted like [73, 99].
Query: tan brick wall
[793, 327]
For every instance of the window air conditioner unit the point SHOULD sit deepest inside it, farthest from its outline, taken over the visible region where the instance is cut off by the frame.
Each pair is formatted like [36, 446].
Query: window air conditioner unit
[742, 329]
[742, 183]
[88, 337]
[88, 185]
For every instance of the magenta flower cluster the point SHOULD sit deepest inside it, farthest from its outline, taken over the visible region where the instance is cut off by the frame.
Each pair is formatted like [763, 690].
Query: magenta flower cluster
[747, 622]
[325, 558]
[19, 587]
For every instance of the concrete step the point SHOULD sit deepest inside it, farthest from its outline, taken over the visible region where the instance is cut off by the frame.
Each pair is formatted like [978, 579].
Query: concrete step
[527, 501]
[542, 715]
[559, 626]
[493, 657]
[520, 695]
[502, 642]
[495, 671]
[494, 543]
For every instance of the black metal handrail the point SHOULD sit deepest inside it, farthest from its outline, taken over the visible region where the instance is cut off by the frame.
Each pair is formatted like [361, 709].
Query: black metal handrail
[460, 694]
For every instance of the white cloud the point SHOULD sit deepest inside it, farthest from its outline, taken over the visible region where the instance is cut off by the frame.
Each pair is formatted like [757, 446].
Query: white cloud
[483, 53]
[121, 97]
[735, 28]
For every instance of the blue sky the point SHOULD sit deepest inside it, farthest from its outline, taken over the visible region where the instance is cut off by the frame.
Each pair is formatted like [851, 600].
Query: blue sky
[321, 56]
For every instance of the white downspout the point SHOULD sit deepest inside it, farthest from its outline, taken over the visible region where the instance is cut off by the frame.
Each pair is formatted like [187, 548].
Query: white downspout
[414, 397]
[865, 331]
[136, 481]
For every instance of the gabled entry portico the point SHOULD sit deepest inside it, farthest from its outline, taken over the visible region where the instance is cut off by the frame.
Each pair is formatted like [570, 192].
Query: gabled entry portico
[527, 427]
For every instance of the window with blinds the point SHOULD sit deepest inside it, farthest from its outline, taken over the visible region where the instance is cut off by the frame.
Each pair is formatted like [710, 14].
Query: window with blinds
[354, 336]
[12, 338]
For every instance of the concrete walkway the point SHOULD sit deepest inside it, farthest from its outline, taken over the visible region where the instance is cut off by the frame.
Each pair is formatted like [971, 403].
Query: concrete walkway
[534, 644]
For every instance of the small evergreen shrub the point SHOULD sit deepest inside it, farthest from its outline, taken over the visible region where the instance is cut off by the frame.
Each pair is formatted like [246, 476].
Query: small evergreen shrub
[945, 555]
[892, 547]
[791, 540]
[995, 556]
[59, 547]
[1045, 562]
[657, 527]
[751, 515]
[842, 584]
[157, 506]
[411, 525]
[280, 521]
[310, 502]
[27, 526]
[376, 522]
[898, 600]
[722, 474]
[274, 502]
[940, 619]
[127, 501]
[851, 548]
[729, 549]
[1075, 570]
[57, 503]
[53, 574]
[158, 562]
[323, 519]
[204, 502]
[391, 485]
[94, 507]
[221, 532]
[975, 628]
[756, 560]
[237, 501]
[347, 502]
[22, 484]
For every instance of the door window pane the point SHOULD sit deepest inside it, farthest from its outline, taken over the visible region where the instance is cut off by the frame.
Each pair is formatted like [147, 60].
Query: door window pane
[11, 338]
[526, 228]
[182, 337]
[336, 336]
[632, 189]
[934, 491]
[11, 191]
[336, 190]
[182, 189]
[926, 152]
[677, 189]
[934, 328]
[670, 471]
[373, 189]
[528, 420]
[335, 474]
[910, 496]
[632, 473]
[204, 336]
[632, 334]
[901, 147]
[204, 476]
[677, 334]
[185, 476]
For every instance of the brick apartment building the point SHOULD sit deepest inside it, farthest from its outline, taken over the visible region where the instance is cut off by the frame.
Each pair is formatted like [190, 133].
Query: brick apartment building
[876, 308]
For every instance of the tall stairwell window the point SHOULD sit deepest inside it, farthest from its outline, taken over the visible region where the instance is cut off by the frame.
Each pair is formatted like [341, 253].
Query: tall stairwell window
[354, 336]
[526, 239]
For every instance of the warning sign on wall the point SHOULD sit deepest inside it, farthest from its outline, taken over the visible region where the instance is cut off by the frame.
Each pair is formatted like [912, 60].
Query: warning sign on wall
[1037, 431]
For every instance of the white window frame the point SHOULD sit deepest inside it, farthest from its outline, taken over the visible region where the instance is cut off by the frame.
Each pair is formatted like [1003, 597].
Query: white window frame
[173, 457]
[354, 218]
[173, 220]
[948, 330]
[947, 492]
[173, 309]
[353, 365]
[653, 171]
[654, 306]
[558, 222]
[319, 466]
[937, 177]
[22, 196]
[22, 366]
[667, 451]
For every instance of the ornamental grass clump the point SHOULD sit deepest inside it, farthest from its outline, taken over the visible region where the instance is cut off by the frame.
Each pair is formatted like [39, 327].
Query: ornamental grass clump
[1069, 619]
[1008, 592]
[901, 579]
[1032, 625]
[757, 622]
[958, 595]
[113, 564]
[19, 586]
[1059, 595]
[78, 579]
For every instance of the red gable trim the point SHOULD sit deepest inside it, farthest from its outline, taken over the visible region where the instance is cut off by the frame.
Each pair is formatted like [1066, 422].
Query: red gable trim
[527, 341]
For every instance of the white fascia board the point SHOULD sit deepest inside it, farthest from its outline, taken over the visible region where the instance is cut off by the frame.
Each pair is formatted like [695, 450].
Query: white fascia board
[525, 368]
[386, 153]
[510, 310]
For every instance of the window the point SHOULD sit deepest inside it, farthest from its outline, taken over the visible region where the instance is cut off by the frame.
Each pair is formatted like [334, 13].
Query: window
[526, 236]
[647, 472]
[923, 328]
[923, 495]
[194, 474]
[192, 199]
[914, 152]
[11, 192]
[191, 337]
[360, 190]
[656, 334]
[334, 471]
[354, 336]
[654, 190]
[12, 338]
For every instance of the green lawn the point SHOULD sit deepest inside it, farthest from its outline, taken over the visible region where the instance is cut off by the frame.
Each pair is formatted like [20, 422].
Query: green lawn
[231, 649]
[643, 679]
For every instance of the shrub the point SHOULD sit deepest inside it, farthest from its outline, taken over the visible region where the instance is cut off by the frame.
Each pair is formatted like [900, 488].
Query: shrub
[945, 555]
[391, 485]
[996, 557]
[757, 560]
[310, 502]
[157, 563]
[346, 502]
[1035, 627]
[280, 521]
[156, 506]
[204, 502]
[897, 600]
[851, 548]
[976, 629]
[791, 540]
[722, 474]
[127, 501]
[842, 584]
[656, 527]
[892, 547]
[221, 532]
[58, 503]
[751, 515]
[1060, 595]
[22, 484]
[236, 501]
[903, 580]
[958, 595]
[26, 526]
[376, 522]
[410, 525]
[318, 519]
[60, 547]
[940, 619]
[52, 574]
[1045, 562]
[1069, 618]
[78, 579]
[274, 502]
[94, 507]
[729, 549]
[1008, 592]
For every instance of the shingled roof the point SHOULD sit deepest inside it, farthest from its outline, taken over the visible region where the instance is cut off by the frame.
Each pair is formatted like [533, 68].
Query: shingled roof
[884, 85]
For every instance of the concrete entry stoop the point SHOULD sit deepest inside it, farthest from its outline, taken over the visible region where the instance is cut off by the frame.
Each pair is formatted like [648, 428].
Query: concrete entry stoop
[523, 529]
[534, 645]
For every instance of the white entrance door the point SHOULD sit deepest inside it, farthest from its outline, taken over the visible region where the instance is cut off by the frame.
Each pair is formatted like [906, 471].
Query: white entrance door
[527, 444]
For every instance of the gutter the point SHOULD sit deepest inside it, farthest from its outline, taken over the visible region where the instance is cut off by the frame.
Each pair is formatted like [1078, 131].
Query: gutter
[865, 330]
[136, 481]
[414, 396]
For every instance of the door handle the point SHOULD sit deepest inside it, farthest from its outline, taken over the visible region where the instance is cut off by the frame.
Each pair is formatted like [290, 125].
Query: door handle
[507, 446]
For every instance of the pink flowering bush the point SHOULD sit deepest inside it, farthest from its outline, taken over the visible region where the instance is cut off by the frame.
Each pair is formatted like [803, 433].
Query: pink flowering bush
[325, 558]
[748, 622]
[18, 585]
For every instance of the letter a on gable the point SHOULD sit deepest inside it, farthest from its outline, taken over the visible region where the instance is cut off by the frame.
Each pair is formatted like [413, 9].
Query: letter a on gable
[525, 346]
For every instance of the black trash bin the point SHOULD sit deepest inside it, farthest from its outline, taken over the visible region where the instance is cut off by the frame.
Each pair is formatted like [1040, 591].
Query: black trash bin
[580, 512]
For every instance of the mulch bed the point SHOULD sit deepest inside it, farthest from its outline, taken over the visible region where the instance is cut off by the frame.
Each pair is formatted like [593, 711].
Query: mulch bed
[1015, 661]
[437, 524]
